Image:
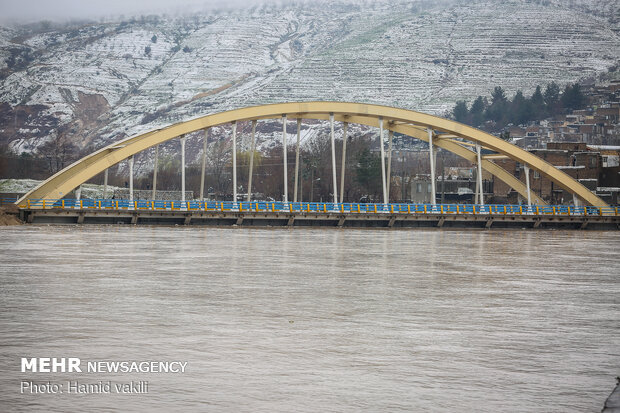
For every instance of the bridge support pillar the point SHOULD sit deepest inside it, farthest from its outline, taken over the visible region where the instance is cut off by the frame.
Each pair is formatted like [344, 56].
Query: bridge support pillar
[527, 186]
[252, 153]
[234, 160]
[105, 183]
[388, 184]
[130, 161]
[385, 200]
[285, 160]
[391, 222]
[345, 127]
[297, 159]
[334, 181]
[155, 167]
[204, 163]
[78, 196]
[432, 163]
[183, 138]
[479, 161]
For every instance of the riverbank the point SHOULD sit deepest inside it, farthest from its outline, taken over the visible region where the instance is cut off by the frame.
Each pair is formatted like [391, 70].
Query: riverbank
[9, 215]
[612, 404]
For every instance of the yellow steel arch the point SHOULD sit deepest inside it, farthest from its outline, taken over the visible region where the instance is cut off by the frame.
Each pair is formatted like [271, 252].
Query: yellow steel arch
[400, 120]
[449, 145]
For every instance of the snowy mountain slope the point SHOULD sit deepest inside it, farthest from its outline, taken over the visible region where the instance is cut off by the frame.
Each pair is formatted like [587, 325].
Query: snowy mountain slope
[100, 82]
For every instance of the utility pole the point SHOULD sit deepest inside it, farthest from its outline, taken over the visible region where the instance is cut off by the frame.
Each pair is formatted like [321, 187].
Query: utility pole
[312, 185]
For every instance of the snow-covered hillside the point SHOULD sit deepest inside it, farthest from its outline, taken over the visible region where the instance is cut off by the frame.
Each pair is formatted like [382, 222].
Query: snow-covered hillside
[100, 82]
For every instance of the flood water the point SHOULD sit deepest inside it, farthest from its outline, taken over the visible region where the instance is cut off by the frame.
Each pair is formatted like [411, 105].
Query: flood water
[314, 320]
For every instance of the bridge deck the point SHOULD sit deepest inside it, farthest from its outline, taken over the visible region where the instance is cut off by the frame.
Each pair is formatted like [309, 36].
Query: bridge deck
[280, 214]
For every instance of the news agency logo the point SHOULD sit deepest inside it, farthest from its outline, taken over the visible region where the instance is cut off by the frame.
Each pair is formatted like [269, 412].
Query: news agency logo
[74, 365]
[51, 365]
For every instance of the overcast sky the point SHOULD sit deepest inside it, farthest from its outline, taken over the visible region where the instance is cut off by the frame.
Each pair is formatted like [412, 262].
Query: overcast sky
[35, 10]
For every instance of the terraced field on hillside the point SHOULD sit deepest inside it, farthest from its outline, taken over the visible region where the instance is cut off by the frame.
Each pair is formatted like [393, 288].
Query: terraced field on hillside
[99, 82]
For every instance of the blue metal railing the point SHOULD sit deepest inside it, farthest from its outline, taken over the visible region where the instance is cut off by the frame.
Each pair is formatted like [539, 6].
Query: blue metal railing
[316, 207]
[7, 201]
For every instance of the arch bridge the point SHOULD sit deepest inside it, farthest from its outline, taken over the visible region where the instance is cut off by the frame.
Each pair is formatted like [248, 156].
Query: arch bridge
[464, 141]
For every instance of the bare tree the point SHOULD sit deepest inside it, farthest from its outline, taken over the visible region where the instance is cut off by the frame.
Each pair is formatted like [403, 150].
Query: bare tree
[218, 156]
[58, 152]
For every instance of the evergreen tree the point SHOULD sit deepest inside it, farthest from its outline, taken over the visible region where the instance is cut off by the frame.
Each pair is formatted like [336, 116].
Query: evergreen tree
[552, 98]
[476, 113]
[460, 111]
[573, 98]
[537, 102]
[521, 110]
[498, 96]
[497, 110]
